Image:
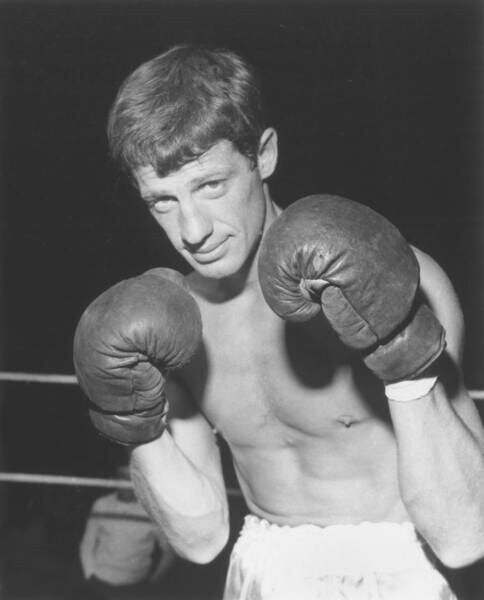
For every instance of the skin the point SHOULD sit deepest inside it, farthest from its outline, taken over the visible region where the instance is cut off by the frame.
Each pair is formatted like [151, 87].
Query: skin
[312, 435]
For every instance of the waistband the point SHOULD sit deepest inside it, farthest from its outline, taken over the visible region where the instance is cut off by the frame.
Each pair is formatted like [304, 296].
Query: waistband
[364, 547]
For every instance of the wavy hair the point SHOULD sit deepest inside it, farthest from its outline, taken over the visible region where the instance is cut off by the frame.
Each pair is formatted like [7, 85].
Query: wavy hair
[173, 108]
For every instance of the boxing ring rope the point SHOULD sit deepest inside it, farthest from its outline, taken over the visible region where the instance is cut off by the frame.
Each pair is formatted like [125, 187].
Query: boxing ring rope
[88, 481]
[38, 378]
[65, 480]
[72, 380]
[68, 480]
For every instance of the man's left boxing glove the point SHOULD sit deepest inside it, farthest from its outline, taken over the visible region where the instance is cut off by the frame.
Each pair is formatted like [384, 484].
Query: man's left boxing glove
[332, 254]
[124, 344]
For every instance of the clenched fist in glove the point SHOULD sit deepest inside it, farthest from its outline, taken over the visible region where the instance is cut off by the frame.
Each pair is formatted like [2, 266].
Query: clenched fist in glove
[330, 253]
[124, 344]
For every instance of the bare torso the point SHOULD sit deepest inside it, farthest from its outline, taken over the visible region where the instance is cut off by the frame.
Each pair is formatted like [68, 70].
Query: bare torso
[306, 423]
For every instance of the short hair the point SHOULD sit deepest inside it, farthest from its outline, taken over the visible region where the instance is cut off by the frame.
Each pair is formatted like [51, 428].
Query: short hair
[175, 107]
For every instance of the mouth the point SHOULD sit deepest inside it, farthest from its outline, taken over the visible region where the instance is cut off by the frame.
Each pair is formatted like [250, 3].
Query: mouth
[210, 253]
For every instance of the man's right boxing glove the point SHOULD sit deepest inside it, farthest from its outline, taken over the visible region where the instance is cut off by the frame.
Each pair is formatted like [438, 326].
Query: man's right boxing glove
[124, 344]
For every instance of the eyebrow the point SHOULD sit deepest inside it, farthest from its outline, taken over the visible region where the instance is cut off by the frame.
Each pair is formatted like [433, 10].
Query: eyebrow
[217, 172]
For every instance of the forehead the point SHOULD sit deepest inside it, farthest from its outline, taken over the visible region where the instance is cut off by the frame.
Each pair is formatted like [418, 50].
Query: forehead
[221, 157]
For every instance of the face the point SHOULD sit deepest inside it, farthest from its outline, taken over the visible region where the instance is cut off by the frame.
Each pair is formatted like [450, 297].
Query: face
[212, 209]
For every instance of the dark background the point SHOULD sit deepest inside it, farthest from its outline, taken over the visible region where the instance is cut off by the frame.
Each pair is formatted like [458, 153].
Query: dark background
[378, 101]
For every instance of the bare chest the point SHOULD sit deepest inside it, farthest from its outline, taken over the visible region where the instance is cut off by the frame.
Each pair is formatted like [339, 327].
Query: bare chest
[261, 381]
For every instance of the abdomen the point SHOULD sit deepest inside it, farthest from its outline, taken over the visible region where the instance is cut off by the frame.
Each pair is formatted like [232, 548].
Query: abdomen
[347, 475]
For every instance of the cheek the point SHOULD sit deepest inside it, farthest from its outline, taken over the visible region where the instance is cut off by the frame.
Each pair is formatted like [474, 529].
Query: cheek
[255, 214]
[250, 210]
[169, 225]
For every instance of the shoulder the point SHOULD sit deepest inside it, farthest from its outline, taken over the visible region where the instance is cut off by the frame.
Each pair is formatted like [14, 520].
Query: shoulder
[432, 273]
[436, 284]
[441, 295]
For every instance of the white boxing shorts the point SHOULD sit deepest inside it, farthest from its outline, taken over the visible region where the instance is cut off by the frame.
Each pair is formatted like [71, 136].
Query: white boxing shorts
[368, 561]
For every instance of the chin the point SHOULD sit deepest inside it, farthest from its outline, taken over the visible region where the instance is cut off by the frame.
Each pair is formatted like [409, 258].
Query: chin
[219, 269]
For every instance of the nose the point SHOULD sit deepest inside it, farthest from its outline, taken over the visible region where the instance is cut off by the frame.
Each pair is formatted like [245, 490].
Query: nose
[195, 225]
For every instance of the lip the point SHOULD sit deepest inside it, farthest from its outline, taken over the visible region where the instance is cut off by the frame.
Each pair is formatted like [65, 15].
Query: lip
[206, 255]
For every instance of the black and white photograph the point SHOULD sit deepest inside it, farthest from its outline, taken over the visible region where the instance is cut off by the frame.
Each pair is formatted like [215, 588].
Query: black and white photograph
[241, 300]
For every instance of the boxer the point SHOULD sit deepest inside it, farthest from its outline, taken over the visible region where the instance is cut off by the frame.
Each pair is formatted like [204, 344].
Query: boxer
[322, 347]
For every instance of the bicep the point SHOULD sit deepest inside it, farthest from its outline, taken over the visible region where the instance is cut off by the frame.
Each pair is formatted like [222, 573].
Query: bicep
[442, 298]
[192, 433]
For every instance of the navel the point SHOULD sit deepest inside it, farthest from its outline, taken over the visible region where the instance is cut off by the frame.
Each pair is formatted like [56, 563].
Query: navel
[347, 420]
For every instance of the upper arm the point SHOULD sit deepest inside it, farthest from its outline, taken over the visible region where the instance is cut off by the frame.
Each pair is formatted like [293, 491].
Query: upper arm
[442, 298]
[192, 433]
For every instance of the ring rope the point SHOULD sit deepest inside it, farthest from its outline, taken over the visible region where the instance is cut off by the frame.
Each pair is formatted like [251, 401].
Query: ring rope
[64, 480]
[72, 380]
[88, 481]
[38, 378]
[76, 481]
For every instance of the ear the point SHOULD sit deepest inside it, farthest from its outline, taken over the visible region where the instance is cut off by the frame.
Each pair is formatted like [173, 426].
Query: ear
[268, 152]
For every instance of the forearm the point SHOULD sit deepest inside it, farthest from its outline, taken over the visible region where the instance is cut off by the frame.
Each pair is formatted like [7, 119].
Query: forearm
[187, 504]
[441, 474]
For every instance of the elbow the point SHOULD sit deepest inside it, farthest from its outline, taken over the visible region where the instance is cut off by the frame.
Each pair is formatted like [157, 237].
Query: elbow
[206, 549]
[204, 556]
[461, 549]
[456, 542]
[459, 558]
[464, 546]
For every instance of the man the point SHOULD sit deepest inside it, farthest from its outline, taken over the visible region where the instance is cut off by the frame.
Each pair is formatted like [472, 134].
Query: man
[340, 457]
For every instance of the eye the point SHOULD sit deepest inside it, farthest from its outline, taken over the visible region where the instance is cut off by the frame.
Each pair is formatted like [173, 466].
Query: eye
[213, 188]
[161, 204]
[212, 185]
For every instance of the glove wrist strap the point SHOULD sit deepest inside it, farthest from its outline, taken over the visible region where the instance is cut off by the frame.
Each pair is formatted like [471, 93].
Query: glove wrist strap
[405, 391]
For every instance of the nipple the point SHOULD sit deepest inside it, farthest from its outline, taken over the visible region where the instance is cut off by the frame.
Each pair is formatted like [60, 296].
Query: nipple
[346, 420]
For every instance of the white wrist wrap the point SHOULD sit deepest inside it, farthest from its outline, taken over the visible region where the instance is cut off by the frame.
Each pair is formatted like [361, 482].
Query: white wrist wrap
[404, 391]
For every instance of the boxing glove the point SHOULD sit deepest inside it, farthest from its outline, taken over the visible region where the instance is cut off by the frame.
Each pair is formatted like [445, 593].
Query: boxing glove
[330, 253]
[125, 343]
